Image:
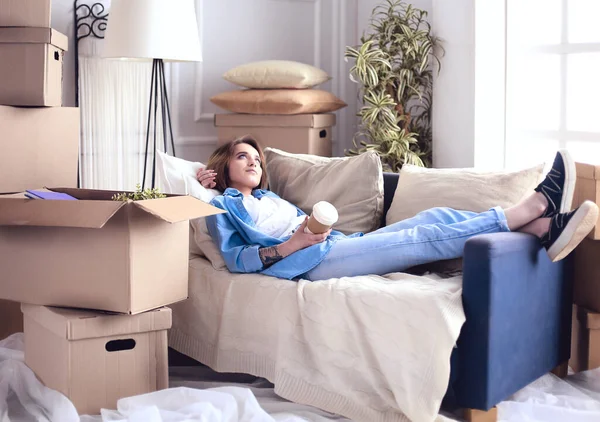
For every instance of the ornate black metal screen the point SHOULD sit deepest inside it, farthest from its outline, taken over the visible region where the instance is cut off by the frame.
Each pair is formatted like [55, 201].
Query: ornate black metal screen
[90, 21]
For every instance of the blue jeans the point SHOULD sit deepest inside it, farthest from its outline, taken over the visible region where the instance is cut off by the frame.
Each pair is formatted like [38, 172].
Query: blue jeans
[432, 235]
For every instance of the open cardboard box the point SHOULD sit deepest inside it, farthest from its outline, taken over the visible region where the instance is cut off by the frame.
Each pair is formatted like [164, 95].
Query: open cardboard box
[97, 253]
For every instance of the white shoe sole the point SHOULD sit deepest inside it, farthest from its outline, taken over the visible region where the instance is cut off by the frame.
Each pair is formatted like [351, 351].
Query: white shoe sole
[570, 179]
[578, 227]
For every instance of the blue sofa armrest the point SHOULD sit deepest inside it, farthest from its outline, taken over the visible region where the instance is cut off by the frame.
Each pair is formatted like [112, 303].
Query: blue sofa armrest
[518, 318]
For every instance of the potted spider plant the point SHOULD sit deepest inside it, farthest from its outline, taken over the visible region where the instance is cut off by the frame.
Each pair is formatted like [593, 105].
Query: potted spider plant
[394, 66]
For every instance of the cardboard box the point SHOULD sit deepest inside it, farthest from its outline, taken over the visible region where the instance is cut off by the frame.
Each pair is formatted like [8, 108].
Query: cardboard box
[40, 147]
[586, 289]
[25, 13]
[588, 188]
[97, 253]
[298, 134]
[585, 340]
[31, 69]
[11, 318]
[96, 359]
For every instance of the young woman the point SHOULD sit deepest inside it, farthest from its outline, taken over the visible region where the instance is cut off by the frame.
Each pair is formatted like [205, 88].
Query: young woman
[263, 233]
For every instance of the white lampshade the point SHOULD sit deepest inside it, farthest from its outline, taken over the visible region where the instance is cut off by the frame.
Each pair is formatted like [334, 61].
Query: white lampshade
[152, 29]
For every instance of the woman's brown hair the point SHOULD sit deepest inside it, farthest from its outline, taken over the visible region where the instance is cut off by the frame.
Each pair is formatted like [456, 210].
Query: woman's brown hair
[219, 162]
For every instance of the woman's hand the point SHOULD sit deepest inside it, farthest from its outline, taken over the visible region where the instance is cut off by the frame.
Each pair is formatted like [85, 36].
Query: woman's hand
[301, 240]
[206, 178]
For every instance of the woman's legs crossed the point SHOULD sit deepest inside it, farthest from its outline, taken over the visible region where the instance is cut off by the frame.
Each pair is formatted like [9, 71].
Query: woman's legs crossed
[517, 216]
[385, 252]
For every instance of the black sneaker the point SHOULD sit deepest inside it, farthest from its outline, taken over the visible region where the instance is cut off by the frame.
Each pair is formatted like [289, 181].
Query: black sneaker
[559, 185]
[567, 230]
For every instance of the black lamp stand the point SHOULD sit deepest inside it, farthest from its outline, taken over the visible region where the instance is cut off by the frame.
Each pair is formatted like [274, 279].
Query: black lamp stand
[158, 94]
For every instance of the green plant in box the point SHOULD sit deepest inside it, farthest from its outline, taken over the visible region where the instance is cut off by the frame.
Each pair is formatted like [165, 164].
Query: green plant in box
[139, 194]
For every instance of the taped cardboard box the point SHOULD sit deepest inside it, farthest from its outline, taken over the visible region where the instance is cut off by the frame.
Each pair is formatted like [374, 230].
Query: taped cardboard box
[96, 359]
[586, 288]
[11, 318]
[40, 147]
[298, 134]
[585, 340]
[31, 69]
[25, 13]
[588, 188]
[97, 253]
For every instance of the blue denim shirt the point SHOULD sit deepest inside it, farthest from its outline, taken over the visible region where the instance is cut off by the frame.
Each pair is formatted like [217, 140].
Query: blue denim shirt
[238, 239]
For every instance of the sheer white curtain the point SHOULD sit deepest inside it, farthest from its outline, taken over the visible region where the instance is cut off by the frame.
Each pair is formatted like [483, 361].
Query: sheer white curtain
[113, 101]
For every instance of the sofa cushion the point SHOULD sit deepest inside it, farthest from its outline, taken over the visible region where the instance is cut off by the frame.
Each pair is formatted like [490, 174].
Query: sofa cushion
[354, 185]
[276, 74]
[178, 176]
[278, 101]
[466, 189]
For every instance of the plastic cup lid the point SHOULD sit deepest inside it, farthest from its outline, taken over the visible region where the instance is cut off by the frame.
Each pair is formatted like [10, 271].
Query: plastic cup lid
[325, 213]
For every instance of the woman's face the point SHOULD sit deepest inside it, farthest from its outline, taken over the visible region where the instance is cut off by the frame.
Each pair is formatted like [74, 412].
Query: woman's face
[245, 169]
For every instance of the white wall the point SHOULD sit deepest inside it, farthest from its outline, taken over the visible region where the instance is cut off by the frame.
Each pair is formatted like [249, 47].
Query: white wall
[454, 88]
[62, 21]
[238, 31]
[468, 95]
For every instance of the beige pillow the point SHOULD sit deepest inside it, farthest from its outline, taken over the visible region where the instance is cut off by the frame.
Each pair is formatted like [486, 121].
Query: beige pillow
[462, 189]
[276, 74]
[203, 244]
[354, 185]
[278, 101]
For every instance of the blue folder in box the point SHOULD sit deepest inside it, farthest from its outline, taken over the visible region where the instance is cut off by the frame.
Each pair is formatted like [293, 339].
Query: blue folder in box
[43, 194]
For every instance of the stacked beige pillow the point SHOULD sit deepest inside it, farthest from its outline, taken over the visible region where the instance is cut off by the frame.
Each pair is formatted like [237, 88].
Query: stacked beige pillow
[277, 87]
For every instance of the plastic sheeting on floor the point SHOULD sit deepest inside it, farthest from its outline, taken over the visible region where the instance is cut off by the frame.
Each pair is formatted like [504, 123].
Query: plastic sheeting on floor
[199, 394]
[551, 399]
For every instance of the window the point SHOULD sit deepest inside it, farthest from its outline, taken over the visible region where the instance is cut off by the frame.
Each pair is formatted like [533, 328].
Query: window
[552, 80]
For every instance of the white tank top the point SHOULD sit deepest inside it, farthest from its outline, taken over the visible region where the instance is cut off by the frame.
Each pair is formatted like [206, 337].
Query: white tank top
[273, 216]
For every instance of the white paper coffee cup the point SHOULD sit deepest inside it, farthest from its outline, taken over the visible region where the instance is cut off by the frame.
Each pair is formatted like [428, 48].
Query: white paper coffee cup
[323, 216]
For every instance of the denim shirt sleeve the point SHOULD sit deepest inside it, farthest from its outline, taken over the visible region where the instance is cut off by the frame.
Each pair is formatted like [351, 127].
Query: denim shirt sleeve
[237, 254]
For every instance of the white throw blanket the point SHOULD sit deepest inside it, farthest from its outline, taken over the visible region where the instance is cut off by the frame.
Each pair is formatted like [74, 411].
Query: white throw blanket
[369, 348]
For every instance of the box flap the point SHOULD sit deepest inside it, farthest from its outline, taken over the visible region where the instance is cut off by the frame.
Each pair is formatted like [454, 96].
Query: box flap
[40, 212]
[78, 324]
[177, 208]
[266, 120]
[588, 171]
[29, 35]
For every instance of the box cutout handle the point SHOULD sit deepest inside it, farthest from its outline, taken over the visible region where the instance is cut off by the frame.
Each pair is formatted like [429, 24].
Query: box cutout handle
[120, 345]
[56, 56]
[323, 134]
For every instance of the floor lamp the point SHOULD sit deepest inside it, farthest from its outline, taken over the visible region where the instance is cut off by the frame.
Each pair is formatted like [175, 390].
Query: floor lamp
[157, 30]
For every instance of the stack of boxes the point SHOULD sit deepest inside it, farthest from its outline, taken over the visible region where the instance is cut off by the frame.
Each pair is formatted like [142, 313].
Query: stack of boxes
[585, 342]
[91, 276]
[39, 138]
[264, 110]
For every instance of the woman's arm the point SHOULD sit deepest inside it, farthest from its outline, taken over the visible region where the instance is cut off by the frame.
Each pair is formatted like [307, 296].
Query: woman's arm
[299, 240]
[239, 256]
